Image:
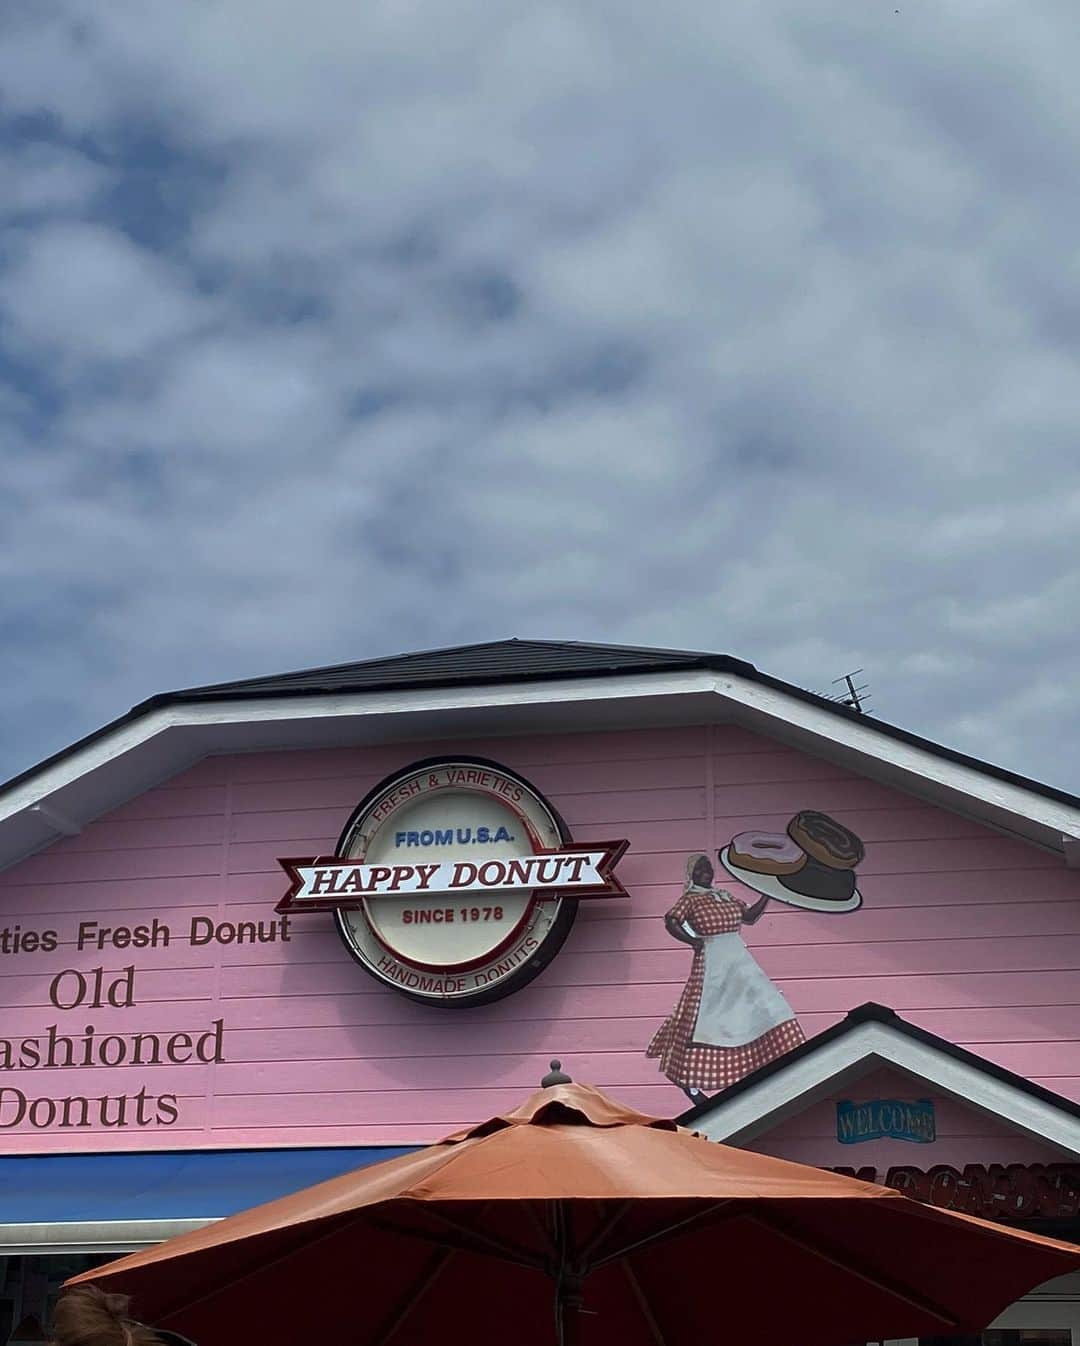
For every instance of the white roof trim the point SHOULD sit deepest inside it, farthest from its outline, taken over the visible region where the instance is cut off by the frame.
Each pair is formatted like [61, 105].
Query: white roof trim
[914, 763]
[756, 1110]
[66, 794]
[266, 711]
[93, 1236]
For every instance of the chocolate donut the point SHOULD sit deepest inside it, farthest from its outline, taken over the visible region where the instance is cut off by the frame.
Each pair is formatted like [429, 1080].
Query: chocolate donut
[820, 881]
[825, 840]
[766, 853]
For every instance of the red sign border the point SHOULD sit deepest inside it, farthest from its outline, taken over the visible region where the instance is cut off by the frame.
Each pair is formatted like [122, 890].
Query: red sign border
[611, 887]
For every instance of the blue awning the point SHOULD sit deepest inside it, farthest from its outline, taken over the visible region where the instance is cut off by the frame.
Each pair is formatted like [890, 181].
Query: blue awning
[81, 1188]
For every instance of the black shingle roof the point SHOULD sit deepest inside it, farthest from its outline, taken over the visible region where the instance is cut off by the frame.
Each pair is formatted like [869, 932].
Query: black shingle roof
[503, 661]
[493, 661]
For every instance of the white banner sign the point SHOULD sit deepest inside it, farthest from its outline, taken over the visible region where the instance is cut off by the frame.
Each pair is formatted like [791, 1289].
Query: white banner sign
[334, 880]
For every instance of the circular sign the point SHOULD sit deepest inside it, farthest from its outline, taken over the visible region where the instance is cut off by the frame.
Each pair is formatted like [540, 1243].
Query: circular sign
[454, 881]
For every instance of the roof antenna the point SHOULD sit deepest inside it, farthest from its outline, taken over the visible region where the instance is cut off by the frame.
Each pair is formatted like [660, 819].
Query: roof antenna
[855, 697]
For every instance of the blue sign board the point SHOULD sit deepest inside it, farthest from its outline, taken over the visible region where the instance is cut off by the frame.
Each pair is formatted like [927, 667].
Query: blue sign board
[880, 1117]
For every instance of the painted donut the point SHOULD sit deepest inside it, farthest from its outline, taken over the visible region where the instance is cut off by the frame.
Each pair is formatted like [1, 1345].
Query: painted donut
[821, 881]
[826, 840]
[766, 853]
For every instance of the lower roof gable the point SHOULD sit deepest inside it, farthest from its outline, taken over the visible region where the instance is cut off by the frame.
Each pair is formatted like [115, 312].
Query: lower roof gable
[867, 1039]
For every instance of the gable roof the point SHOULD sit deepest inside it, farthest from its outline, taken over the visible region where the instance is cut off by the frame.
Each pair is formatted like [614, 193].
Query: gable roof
[498, 687]
[492, 661]
[867, 1038]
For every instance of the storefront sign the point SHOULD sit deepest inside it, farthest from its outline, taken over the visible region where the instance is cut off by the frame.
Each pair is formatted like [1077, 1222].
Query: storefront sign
[118, 1066]
[1000, 1191]
[328, 884]
[857, 1122]
[455, 882]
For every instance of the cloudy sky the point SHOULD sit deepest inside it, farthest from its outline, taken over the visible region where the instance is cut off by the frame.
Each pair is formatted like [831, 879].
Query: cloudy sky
[334, 330]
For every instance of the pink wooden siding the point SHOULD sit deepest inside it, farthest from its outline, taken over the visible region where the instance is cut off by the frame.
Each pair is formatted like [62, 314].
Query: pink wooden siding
[969, 934]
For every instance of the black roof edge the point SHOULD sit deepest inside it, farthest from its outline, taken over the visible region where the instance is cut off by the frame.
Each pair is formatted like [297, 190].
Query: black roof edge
[663, 658]
[135, 713]
[721, 663]
[870, 1012]
[678, 659]
[685, 660]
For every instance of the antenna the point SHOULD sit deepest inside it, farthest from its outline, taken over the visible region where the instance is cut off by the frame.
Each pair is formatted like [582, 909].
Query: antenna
[854, 695]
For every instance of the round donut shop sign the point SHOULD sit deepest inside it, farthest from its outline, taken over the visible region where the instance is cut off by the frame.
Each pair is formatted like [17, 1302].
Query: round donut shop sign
[454, 881]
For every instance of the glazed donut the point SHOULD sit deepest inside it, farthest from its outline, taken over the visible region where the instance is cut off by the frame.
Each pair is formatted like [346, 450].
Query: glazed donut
[766, 853]
[825, 840]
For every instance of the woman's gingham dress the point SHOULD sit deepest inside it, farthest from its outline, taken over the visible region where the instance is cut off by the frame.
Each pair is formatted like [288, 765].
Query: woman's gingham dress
[696, 1065]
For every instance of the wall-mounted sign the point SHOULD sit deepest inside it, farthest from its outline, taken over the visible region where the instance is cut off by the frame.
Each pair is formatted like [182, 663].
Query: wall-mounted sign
[455, 881]
[891, 1117]
[997, 1191]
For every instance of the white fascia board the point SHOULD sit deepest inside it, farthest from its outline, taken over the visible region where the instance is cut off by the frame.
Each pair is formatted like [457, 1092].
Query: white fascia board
[269, 712]
[755, 1111]
[144, 751]
[108, 749]
[93, 1236]
[928, 773]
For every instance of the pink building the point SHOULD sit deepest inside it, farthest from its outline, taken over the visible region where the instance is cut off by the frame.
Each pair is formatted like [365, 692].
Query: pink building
[255, 934]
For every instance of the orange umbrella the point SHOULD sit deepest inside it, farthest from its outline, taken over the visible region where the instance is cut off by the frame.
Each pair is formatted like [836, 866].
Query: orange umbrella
[622, 1227]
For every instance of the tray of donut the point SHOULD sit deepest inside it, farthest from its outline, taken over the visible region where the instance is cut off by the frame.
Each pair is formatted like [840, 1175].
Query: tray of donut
[811, 864]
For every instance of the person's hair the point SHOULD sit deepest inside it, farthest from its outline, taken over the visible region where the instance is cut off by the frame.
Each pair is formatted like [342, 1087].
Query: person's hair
[702, 862]
[86, 1316]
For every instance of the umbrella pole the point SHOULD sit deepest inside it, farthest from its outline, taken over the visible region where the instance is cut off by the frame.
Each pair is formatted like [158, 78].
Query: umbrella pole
[568, 1279]
[568, 1310]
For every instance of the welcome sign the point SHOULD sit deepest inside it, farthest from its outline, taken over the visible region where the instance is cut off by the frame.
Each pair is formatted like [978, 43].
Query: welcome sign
[885, 1117]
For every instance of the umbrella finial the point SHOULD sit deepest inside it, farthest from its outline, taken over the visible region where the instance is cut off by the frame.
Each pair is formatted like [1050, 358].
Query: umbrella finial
[555, 1076]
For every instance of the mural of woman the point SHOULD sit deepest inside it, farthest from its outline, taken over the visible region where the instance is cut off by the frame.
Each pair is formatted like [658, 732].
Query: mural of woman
[730, 1018]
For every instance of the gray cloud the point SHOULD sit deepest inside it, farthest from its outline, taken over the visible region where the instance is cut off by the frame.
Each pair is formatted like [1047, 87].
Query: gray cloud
[351, 331]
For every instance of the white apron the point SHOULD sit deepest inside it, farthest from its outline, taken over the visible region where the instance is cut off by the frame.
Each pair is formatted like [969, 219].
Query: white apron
[738, 1001]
